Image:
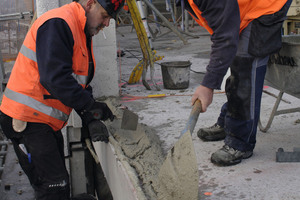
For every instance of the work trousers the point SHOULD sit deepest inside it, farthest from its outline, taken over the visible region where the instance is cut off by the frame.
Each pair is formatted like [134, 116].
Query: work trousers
[40, 151]
[239, 115]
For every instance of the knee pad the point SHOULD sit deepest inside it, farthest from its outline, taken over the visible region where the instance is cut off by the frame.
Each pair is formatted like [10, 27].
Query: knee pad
[238, 88]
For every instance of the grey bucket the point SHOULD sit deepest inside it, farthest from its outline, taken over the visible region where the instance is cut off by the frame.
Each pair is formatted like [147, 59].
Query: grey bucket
[176, 74]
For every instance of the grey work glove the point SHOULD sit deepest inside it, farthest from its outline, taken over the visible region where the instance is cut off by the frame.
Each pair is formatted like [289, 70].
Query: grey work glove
[101, 111]
[98, 111]
[98, 131]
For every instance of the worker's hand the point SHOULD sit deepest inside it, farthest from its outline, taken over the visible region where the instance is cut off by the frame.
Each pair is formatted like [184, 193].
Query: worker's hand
[98, 131]
[101, 111]
[205, 95]
[98, 111]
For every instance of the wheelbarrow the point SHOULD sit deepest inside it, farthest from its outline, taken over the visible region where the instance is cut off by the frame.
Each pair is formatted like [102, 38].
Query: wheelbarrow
[283, 74]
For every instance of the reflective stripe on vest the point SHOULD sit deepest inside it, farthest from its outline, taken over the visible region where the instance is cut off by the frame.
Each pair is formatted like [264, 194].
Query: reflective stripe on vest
[32, 103]
[81, 79]
[200, 20]
[30, 54]
[249, 10]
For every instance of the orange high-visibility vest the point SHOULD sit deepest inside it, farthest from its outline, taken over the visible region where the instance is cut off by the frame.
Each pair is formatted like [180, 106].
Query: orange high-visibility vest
[23, 98]
[249, 10]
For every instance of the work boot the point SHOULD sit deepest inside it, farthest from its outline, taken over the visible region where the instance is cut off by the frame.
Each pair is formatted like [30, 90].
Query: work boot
[227, 156]
[213, 133]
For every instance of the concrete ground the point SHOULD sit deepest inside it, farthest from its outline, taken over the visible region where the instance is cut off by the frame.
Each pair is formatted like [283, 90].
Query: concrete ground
[259, 177]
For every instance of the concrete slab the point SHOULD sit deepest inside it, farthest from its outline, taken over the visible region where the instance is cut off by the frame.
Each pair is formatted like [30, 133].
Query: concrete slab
[259, 177]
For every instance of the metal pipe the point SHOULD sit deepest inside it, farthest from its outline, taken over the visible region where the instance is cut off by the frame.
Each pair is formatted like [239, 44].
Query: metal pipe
[166, 21]
[3, 148]
[186, 21]
[1, 161]
[144, 20]
[21, 14]
[273, 113]
[273, 95]
[9, 43]
[2, 153]
[10, 19]
[3, 142]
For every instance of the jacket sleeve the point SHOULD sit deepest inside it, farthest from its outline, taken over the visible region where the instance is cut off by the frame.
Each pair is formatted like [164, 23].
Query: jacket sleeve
[54, 51]
[223, 17]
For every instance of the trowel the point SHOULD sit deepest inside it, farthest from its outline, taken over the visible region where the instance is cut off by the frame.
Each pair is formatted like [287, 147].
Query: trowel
[178, 177]
[129, 120]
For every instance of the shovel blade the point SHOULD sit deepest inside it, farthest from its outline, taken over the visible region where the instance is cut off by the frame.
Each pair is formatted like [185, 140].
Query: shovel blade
[179, 177]
[129, 120]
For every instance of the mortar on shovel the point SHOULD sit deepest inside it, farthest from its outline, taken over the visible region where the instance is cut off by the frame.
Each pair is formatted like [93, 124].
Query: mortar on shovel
[178, 176]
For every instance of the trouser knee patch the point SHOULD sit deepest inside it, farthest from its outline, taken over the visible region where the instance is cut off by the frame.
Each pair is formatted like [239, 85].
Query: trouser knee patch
[238, 88]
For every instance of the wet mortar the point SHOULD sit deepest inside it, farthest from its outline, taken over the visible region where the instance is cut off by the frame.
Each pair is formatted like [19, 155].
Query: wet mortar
[144, 152]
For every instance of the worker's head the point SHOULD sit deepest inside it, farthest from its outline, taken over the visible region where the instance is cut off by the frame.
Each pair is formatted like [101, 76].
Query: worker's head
[99, 13]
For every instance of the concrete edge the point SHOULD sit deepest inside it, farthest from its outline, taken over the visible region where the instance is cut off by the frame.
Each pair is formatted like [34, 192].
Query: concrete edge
[121, 177]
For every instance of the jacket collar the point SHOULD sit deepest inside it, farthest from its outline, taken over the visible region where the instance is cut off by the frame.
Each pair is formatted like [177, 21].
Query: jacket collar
[80, 13]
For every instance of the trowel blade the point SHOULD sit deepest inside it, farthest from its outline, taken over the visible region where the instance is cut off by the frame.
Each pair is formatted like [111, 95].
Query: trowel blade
[129, 120]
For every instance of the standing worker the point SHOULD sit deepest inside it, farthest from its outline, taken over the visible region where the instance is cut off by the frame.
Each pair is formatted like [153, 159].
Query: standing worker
[243, 33]
[51, 77]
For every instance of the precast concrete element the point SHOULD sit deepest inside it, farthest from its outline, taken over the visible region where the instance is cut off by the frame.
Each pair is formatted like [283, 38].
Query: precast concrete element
[131, 160]
[105, 82]
[119, 175]
[43, 6]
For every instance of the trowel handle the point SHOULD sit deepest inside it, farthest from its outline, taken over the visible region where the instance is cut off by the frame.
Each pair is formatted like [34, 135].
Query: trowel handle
[193, 118]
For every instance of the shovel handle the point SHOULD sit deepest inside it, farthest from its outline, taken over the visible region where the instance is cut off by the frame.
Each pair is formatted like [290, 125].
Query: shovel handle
[193, 118]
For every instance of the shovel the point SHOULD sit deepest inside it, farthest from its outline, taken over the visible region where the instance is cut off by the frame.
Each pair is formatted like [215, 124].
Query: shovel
[178, 177]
